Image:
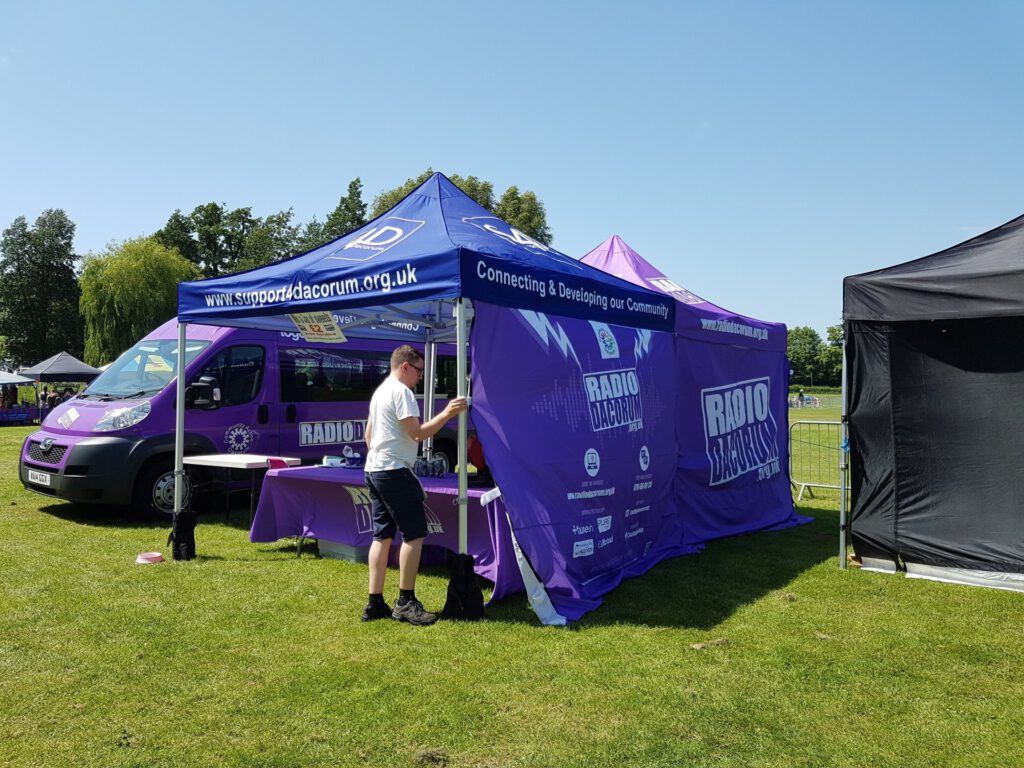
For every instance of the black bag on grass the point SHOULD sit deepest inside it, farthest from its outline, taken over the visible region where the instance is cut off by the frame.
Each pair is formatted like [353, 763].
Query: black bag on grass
[183, 535]
[465, 598]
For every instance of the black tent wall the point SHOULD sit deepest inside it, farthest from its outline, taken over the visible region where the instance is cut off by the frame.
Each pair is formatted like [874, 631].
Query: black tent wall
[937, 446]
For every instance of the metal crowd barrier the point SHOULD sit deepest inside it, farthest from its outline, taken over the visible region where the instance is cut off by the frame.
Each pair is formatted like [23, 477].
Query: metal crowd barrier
[816, 401]
[814, 455]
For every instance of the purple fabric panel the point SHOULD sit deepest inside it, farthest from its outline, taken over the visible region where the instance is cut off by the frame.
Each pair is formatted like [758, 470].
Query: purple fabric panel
[732, 429]
[332, 503]
[695, 317]
[576, 421]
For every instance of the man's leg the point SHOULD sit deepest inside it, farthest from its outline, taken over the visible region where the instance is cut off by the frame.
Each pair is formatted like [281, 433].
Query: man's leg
[408, 608]
[377, 560]
[408, 563]
[404, 498]
[378, 564]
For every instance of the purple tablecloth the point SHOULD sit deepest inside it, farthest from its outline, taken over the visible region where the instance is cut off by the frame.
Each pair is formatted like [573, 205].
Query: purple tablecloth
[332, 503]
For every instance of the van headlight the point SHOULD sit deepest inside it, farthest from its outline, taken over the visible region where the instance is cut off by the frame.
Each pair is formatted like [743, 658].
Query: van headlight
[122, 418]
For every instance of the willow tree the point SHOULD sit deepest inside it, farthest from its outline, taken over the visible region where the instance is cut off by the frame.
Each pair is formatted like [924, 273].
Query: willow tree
[127, 291]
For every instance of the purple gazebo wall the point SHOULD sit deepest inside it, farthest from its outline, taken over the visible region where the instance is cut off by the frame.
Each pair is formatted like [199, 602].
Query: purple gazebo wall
[732, 431]
[731, 381]
[575, 419]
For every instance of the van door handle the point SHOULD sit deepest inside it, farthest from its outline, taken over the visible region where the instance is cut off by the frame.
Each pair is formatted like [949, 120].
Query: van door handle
[263, 414]
[289, 414]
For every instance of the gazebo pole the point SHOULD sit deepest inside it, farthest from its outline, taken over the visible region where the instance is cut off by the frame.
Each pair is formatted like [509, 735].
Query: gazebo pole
[844, 462]
[179, 426]
[430, 364]
[460, 391]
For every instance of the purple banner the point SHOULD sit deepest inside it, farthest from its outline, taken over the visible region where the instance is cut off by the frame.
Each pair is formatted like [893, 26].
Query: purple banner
[732, 427]
[577, 423]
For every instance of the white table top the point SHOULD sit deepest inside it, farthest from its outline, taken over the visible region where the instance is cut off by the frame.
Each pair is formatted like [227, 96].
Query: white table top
[237, 460]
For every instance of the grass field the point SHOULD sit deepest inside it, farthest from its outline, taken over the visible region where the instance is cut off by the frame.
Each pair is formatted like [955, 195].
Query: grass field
[757, 652]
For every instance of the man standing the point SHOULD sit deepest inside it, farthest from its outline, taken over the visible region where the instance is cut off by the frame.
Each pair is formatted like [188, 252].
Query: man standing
[393, 431]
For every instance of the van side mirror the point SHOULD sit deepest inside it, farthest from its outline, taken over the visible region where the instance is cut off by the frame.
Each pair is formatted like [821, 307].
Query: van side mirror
[203, 393]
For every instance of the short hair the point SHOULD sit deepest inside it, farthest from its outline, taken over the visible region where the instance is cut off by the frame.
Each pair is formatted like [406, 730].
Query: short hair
[404, 354]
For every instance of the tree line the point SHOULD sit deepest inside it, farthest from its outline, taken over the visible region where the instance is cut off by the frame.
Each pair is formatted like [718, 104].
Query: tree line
[98, 305]
[813, 361]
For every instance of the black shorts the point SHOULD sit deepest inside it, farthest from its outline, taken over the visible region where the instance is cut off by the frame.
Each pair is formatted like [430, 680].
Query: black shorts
[397, 498]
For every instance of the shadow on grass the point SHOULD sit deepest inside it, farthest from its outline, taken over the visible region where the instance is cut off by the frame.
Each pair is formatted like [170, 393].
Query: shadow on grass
[701, 591]
[102, 515]
[694, 591]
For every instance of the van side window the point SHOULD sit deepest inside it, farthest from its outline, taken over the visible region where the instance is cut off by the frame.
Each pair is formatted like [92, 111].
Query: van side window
[309, 374]
[447, 380]
[239, 371]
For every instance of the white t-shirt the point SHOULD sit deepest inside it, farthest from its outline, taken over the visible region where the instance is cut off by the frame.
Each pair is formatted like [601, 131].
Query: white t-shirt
[390, 445]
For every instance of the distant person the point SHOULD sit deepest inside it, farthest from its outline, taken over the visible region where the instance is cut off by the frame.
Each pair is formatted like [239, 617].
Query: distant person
[800, 399]
[393, 430]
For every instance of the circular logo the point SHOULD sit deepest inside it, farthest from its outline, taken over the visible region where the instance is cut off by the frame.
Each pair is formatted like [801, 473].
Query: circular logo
[645, 458]
[239, 438]
[592, 462]
[607, 341]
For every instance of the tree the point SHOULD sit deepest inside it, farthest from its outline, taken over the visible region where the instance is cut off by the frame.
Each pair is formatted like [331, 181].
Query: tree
[127, 291]
[270, 239]
[311, 235]
[38, 291]
[523, 211]
[830, 359]
[804, 347]
[220, 241]
[179, 232]
[526, 213]
[349, 214]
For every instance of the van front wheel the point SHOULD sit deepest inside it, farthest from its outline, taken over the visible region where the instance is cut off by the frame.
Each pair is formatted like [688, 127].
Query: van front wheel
[447, 450]
[154, 490]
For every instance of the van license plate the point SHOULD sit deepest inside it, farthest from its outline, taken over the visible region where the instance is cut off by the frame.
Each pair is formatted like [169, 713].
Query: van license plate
[39, 478]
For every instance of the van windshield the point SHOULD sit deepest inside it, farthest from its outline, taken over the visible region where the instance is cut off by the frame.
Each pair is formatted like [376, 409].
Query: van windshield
[143, 370]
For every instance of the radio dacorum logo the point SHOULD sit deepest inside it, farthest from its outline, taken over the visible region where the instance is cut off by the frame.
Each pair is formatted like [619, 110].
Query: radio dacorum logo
[739, 430]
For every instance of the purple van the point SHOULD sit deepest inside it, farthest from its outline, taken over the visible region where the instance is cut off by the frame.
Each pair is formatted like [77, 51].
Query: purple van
[279, 395]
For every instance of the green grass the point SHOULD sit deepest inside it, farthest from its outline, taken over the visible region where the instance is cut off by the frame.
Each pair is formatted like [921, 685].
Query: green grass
[249, 657]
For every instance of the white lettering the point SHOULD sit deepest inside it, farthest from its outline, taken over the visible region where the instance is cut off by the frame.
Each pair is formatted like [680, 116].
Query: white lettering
[376, 238]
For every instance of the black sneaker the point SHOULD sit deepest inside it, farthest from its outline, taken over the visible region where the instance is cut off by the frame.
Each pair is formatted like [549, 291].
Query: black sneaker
[413, 613]
[374, 611]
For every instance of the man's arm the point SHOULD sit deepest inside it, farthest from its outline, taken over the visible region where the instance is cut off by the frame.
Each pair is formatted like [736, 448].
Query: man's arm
[367, 433]
[419, 432]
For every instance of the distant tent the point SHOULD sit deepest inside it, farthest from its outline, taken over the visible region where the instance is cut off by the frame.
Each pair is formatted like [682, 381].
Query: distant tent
[732, 377]
[13, 378]
[934, 383]
[61, 367]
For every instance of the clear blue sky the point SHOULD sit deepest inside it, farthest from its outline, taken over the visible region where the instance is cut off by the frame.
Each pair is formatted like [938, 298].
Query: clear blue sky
[754, 152]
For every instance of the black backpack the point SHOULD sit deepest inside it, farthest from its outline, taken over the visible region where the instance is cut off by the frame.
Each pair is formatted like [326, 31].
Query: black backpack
[182, 539]
[465, 599]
